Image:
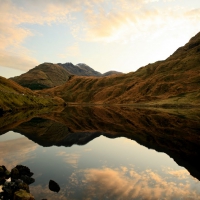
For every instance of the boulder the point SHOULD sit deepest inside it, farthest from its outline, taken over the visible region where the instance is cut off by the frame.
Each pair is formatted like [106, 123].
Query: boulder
[23, 195]
[14, 173]
[23, 170]
[53, 186]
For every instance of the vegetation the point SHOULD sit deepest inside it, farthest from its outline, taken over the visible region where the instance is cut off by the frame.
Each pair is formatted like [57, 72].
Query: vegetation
[15, 97]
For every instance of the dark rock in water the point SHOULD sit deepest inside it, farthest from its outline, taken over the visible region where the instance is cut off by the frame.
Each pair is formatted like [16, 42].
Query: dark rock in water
[24, 186]
[27, 179]
[4, 172]
[8, 189]
[2, 180]
[23, 195]
[18, 187]
[1, 171]
[53, 186]
[23, 170]
[14, 173]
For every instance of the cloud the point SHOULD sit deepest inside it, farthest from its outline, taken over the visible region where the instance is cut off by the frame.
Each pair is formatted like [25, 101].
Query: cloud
[72, 50]
[9, 59]
[121, 21]
[12, 33]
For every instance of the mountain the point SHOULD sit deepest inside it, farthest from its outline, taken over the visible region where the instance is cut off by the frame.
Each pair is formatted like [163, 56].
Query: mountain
[80, 69]
[15, 97]
[49, 75]
[172, 82]
[46, 75]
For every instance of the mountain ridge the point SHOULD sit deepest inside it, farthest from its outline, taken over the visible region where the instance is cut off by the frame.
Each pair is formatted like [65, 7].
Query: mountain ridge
[49, 75]
[174, 81]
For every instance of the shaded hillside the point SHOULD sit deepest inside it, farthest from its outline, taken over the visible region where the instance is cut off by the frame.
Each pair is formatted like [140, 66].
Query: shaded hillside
[156, 130]
[174, 81]
[46, 75]
[15, 97]
[80, 69]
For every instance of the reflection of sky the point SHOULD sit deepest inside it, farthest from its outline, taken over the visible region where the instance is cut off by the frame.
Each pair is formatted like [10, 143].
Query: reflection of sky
[104, 168]
[15, 151]
[10, 136]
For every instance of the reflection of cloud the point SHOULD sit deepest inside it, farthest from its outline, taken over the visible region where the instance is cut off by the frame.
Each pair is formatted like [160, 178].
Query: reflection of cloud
[87, 149]
[144, 185]
[180, 174]
[43, 192]
[16, 151]
[71, 159]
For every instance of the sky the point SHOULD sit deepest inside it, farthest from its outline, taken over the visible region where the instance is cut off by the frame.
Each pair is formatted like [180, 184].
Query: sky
[121, 35]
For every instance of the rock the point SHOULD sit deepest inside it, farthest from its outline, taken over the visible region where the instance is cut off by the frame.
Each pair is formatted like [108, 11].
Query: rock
[8, 189]
[1, 171]
[24, 186]
[27, 179]
[14, 173]
[53, 186]
[18, 187]
[23, 170]
[2, 180]
[4, 174]
[7, 174]
[23, 195]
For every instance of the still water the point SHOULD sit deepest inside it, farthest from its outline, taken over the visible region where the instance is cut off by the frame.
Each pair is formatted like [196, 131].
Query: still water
[101, 160]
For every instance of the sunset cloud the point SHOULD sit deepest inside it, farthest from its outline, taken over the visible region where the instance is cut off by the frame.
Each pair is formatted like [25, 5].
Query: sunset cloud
[92, 21]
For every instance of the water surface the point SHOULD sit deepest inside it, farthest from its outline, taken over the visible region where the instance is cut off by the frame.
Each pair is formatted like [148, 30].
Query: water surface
[106, 153]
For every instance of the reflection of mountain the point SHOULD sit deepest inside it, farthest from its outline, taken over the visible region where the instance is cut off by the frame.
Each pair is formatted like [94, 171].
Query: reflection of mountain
[176, 135]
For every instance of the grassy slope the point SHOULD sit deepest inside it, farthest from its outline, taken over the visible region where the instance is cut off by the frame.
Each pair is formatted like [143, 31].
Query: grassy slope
[174, 81]
[15, 97]
[46, 75]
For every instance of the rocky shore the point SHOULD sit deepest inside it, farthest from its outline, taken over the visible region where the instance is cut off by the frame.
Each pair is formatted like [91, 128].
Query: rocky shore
[15, 183]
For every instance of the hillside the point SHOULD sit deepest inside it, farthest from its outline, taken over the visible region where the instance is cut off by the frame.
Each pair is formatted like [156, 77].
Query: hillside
[15, 97]
[46, 75]
[174, 81]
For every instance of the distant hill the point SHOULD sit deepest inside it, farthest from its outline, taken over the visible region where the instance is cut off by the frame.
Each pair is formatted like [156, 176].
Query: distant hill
[80, 69]
[46, 75]
[109, 73]
[174, 81]
[15, 97]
